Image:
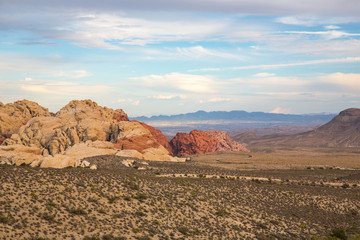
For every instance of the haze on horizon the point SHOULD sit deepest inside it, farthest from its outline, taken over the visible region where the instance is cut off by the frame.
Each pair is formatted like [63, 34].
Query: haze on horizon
[169, 57]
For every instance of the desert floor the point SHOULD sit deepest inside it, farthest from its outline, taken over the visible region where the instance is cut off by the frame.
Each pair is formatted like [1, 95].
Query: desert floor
[297, 193]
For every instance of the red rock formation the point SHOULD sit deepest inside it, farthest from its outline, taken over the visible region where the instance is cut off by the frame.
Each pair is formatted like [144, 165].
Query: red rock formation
[195, 142]
[138, 143]
[158, 135]
[199, 142]
[120, 115]
[226, 143]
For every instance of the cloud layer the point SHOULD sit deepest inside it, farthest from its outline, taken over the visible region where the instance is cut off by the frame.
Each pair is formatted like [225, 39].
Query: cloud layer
[162, 57]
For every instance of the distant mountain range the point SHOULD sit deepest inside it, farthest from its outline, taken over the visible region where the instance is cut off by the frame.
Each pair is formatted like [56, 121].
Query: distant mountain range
[342, 131]
[232, 120]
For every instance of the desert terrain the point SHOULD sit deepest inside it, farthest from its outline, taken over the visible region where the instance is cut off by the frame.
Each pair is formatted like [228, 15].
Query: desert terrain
[270, 193]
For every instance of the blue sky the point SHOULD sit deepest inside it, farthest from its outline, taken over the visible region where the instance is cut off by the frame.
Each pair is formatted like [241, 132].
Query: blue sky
[168, 57]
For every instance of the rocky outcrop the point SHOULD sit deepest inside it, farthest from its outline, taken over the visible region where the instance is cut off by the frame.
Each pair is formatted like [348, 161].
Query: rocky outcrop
[195, 142]
[80, 129]
[14, 115]
[199, 142]
[225, 142]
[158, 135]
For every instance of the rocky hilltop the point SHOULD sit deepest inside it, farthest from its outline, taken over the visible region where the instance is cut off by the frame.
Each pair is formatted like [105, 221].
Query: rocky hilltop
[32, 135]
[342, 131]
[199, 142]
[14, 115]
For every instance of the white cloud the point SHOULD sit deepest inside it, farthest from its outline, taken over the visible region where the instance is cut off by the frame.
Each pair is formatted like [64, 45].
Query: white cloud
[136, 103]
[60, 87]
[179, 81]
[333, 34]
[284, 65]
[201, 52]
[310, 21]
[168, 97]
[264, 74]
[74, 74]
[332, 27]
[293, 20]
[349, 81]
[111, 31]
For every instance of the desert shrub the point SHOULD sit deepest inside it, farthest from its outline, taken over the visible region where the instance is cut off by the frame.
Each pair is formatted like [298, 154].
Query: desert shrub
[184, 230]
[33, 195]
[91, 238]
[112, 199]
[111, 237]
[140, 213]
[51, 203]
[36, 238]
[101, 210]
[141, 197]
[4, 219]
[345, 185]
[143, 238]
[77, 211]
[339, 233]
[221, 212]
[127, 198]
[48, 217]
[94, 200]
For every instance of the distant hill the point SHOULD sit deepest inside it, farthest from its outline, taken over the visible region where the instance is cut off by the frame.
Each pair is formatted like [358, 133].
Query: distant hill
[342, 131]
[229, 121]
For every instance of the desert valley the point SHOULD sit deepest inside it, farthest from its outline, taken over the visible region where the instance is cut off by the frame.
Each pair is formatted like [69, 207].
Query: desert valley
[88, 172]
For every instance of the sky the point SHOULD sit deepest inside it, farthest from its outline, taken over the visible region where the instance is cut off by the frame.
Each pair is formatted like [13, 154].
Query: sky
[152, 57]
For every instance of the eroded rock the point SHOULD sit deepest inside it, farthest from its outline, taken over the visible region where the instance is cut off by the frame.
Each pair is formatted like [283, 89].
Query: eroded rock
[80, 129]
[199, 142]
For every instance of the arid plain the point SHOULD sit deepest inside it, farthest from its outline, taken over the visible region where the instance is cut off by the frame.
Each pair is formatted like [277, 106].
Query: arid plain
[270, 193]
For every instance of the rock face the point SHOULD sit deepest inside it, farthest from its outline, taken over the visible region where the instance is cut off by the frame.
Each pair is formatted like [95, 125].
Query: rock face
[80, 129]
[225, 142]
[199, 142]
[14, 115]
[342, 131]
[158, 135]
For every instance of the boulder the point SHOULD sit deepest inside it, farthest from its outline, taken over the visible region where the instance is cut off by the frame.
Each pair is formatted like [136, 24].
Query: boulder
[199, 142]
[128, 162]
[59, 161]
[93, 167]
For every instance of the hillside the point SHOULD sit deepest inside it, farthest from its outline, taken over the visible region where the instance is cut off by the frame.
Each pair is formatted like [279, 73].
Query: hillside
[342, 131]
